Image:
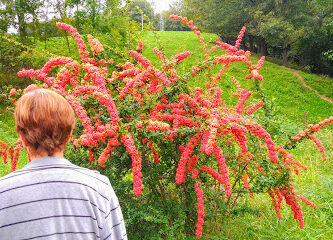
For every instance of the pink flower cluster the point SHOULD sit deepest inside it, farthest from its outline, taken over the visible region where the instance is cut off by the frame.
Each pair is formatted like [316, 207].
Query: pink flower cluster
[188, 23]
[254, 108]
[160, 54]
[245, 181]
[287, 193]
[288, 160]
[112, 143]
[245, 94]
[223, 169]
[139, 48]
[12, 91]
[3, 151]
[254, 70]
[84, 54]
[128, 141]
[319, 145]
[200, 210]
[141, 59]
[291, 200]
[312, 129]
[95, 45]
[186, 153]
[153, 151]
[240, 37]
[14, 154]
[154, 125]
[277, 198]
[181, 56]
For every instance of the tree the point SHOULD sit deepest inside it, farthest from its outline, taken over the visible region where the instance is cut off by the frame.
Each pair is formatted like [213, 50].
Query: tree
[281, 28]
[140, 8]
[6, 14]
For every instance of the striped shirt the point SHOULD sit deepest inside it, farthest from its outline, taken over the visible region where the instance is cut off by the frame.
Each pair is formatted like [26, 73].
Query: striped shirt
[51, 198]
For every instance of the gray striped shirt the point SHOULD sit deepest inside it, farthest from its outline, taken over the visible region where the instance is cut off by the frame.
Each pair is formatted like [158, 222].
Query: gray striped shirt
[51, 198]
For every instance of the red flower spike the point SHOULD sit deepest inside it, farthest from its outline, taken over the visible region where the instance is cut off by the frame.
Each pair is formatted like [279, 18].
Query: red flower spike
[95, 46]
[181, 169]
[254, 108]
[255, 70]
[243, 97]
[185, 21]
[160, 54]
[181, 56]
[240, 37]
[139, 48]
[136, 163]
[223, 169]
[3, 151]
[213, 173]
[14, 154]
[160, 76]
[276, 203]
[245, 181]
[106, 152]
[200, 209]
[319, 145]
[306, 201]
[157, 126]
[80, 43]
[81, 113]
[141, 59]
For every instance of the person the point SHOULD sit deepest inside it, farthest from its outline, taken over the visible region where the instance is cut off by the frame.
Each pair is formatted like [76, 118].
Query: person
[51, 198]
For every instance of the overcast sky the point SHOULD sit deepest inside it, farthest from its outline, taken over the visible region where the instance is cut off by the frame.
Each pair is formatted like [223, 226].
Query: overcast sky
[161, 5]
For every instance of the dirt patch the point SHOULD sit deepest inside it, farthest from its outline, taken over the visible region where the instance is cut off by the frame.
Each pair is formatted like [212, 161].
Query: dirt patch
[307, 86]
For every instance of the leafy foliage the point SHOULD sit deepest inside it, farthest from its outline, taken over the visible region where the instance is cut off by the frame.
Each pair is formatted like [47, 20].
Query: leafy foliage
[136, 104]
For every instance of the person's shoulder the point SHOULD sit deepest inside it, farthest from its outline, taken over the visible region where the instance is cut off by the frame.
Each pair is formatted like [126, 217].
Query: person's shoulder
[104, 184]
[7, 180]
[95, 175]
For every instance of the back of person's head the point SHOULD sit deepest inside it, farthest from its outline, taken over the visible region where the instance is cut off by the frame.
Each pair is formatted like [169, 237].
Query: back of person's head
[45, 119]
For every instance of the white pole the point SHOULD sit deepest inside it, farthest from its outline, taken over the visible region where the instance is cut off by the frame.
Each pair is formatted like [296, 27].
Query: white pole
[142, 22]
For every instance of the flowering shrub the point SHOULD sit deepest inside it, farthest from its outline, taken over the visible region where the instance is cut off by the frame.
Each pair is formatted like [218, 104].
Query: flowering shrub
[163, 124]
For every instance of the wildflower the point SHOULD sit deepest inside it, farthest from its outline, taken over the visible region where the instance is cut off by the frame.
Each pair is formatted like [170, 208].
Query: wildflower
[139, 48]
[240, 36]
[141, 59]
[95, 45]
[154, 125]
[200, 209]
[181, 56]
[136, 163]
[180, 172]
[12, 91]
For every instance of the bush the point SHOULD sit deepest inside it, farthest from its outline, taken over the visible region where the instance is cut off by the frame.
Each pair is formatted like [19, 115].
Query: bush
[146, 127]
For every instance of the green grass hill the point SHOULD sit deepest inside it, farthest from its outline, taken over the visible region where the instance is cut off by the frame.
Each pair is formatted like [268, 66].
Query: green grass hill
[292, 105]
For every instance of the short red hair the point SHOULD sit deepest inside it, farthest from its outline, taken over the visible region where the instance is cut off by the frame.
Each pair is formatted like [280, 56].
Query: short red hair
[45, 119]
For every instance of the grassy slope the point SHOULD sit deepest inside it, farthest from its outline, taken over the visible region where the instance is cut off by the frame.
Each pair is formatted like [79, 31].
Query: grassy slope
[324, 85]
[279, 84]
[292, 100]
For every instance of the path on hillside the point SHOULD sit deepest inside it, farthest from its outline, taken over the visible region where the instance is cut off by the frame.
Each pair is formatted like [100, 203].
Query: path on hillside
[307, 86]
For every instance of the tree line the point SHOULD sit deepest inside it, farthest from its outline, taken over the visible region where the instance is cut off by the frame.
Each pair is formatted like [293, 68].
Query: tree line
[30, 24]
[298, 31]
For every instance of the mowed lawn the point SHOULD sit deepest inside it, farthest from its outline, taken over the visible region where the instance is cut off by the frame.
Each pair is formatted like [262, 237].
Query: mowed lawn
[256, 218]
